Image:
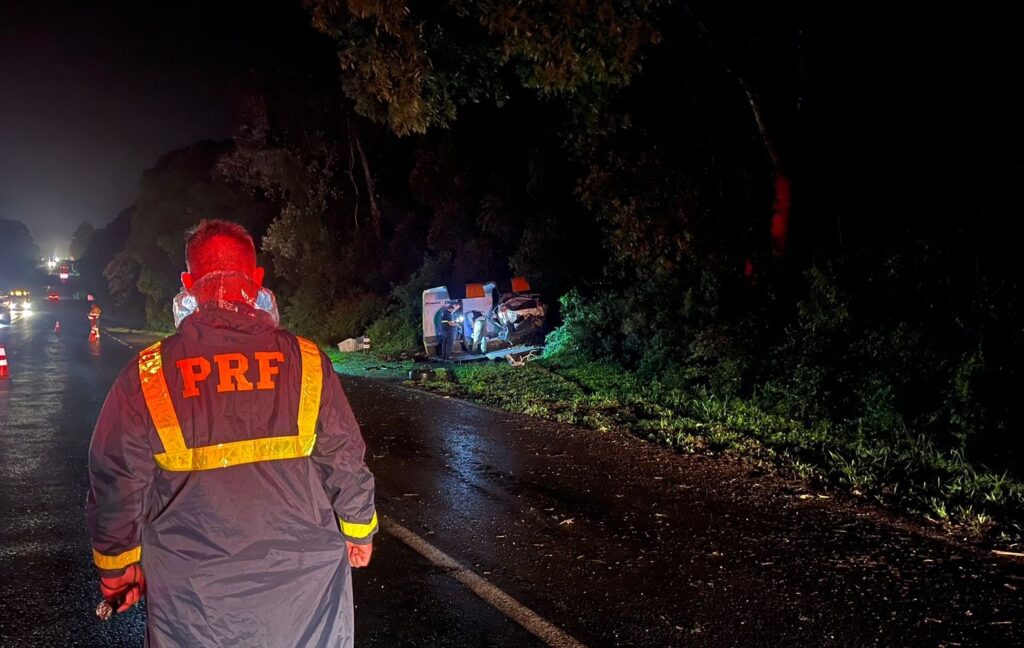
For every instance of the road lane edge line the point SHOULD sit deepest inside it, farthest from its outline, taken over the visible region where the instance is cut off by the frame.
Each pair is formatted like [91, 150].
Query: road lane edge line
[498, 599]
[118, 340]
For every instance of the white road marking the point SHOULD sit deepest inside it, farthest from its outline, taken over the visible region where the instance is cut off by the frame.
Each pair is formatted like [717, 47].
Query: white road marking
[513, 609]
[117, 339]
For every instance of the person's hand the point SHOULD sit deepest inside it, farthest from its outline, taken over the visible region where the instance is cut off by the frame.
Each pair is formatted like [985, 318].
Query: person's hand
[359, 554]
[126, 589]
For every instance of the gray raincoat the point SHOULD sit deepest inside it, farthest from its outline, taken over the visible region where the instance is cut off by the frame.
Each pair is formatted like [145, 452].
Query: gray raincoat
[227, 460]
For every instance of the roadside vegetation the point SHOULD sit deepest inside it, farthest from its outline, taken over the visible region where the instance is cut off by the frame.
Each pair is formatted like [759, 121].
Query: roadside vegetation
[161, 333]
[793, 424]
[367, 365]
[899, 468]
[744, 249]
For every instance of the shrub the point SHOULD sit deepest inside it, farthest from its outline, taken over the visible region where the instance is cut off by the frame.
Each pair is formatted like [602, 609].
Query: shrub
[328, 323]
[393, 334]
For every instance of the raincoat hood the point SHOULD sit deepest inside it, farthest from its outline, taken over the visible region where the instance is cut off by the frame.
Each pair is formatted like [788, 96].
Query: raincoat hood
[226, 291]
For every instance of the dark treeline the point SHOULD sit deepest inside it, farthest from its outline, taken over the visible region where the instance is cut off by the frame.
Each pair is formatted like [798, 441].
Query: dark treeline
[19, 255]
[787, 202]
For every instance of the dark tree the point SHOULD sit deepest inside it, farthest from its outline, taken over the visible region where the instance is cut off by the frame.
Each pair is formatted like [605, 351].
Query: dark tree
[19, 254]
[80, 239]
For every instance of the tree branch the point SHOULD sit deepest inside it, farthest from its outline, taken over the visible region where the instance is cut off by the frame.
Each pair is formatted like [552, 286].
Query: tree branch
[371, 191]
[352, 176]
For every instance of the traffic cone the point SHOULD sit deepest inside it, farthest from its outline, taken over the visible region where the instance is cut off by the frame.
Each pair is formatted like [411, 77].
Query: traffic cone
[3, 362]
[56, 327]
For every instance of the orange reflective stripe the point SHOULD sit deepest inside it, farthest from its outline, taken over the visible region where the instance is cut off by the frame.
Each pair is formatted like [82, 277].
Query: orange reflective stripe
[120, 561]
[312, 385]
[179, 458]
[158, 399]
[356, 530]
[236, 453]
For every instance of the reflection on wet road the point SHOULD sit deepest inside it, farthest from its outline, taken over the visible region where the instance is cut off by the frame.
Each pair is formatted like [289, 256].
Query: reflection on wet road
[48, 590]
[47, 408]
[621, 543]
[616, 542]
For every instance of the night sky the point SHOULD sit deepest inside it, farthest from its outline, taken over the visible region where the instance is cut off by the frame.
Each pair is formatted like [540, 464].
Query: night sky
[91, 94]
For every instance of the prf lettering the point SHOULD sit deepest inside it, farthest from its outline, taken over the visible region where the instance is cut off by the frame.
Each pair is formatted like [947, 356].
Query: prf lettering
[232, 370]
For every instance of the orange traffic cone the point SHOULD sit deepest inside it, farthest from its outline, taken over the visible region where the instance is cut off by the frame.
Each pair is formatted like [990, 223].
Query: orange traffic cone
[3, 362]
[56, 327]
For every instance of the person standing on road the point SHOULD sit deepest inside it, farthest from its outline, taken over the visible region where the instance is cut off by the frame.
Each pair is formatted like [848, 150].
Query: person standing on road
[94, 323]
[506, 320]
[477, 326]
[227, 476]
[449, 328]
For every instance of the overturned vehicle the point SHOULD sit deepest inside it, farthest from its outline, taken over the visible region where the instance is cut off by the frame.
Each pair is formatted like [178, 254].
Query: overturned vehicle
[486, 323]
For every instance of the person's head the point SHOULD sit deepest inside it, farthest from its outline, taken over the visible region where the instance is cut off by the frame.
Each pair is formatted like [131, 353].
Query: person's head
[219, 246]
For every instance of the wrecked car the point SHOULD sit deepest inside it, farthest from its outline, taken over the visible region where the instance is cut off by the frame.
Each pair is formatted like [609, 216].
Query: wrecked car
[485, 323]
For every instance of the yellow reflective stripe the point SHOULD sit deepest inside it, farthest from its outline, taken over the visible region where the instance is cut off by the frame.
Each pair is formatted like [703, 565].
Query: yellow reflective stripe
[177, 457]
[356, 530]
[158, 399]
[236, 453]
[312, 384]
[120, 561]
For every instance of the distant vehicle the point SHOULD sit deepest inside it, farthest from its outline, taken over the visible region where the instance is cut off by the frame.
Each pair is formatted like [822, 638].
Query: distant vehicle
[20, 300]
[53, 296]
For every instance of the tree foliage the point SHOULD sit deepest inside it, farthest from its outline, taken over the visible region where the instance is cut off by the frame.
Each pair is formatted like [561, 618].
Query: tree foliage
[182, 189]
[675, 123]
[19, 254]
[80, 239]
[626, 155]
[110, 282]
[413, 67]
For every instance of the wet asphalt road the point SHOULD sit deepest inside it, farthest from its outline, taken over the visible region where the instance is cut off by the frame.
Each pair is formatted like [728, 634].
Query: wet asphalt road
[616, 542]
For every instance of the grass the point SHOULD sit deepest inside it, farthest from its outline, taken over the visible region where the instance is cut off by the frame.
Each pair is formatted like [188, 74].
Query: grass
[125, 331]
[366, 365]
[897, 468]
